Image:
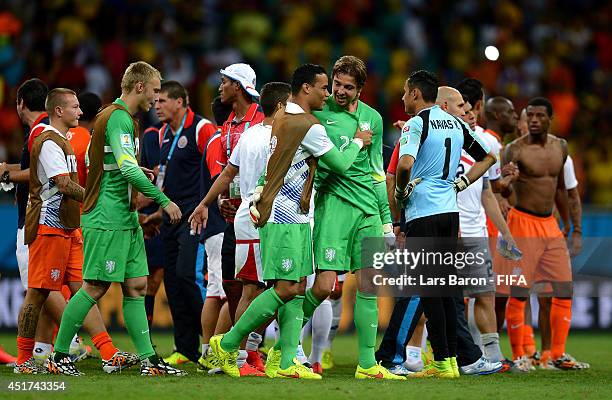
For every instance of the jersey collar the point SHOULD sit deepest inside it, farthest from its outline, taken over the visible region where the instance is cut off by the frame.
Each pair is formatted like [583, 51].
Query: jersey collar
[39, 119]
[248, 117]
[293, 108]
[494, 134]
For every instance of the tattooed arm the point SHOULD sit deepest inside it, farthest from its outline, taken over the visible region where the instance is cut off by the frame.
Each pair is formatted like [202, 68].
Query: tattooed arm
[66, 186]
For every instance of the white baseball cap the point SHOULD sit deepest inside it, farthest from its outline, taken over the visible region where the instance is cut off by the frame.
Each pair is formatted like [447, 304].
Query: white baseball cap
[244, 74]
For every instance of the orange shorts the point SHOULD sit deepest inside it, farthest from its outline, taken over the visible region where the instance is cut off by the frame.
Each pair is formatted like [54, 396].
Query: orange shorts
[545, 254]
[56, 257]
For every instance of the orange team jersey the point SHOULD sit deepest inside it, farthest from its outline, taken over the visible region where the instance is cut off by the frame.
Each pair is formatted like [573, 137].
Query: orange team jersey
[545, 253]
[79, 138]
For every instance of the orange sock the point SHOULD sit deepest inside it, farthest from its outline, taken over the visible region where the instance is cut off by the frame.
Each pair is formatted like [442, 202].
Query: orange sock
[560, 320]
[25, 346]
[529, 346]
[104, 344]
[515, 321]
[544, 357]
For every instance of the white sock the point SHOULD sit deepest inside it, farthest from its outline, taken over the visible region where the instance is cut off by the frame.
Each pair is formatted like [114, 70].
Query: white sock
[424, 340]
[42, 349]
[205, 347]
[253, 341]
[336, 314]
[491, 347]
[413, 358]
[242, 356]
[276, 330]
[321, 326]
[305, 330]
[472, 326]
[300, 355]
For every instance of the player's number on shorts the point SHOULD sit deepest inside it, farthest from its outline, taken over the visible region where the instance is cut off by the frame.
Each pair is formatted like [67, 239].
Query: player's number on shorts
[345, 142]
[447, 146]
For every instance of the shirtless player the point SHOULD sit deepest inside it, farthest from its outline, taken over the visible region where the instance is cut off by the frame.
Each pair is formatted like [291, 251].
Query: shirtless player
[538, 185]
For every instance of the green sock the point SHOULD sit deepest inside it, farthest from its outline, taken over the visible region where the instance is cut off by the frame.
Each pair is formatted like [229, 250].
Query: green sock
[72, 318]
[366, 322]
[259, 311]
[290, 323]
[135, 318]
[310, 305]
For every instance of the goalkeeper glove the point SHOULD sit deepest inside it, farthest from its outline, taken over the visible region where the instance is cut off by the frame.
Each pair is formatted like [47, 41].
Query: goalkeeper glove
[253, 211]
[401, 196]
[461, 183]
[389, 235]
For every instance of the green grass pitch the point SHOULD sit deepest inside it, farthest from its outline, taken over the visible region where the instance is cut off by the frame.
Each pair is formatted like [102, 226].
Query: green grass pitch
[337, 383]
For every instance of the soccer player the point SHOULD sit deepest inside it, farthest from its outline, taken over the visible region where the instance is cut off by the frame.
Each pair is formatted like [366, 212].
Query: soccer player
[575, 213]
[109, 216]
[248, 159]
[429, 154]
[350, 207]
[281, 212]
[51, 230]
[539, 185]
[475, 203]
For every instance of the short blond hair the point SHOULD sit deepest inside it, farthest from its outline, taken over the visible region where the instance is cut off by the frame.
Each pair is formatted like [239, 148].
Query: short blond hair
[139, 71]
[56, 98]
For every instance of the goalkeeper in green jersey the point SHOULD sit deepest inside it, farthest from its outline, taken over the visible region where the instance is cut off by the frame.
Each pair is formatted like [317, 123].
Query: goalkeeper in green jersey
[113, 240]
[350, 207]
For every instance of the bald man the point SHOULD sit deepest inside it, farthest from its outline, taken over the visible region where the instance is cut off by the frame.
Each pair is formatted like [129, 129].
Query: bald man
[475, 203]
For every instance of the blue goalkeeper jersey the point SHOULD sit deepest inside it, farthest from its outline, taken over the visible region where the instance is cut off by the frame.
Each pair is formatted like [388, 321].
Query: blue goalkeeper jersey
[434, 138]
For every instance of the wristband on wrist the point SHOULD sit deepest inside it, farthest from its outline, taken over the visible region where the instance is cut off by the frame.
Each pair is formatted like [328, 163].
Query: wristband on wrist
[358, 142]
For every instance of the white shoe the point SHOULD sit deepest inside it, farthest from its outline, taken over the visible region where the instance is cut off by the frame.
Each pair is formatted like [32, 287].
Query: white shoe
[482, 366]
[400, 370]
[521, 365]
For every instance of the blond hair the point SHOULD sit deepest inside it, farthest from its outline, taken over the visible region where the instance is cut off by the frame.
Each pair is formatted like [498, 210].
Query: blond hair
[56, 98]
[139, 71]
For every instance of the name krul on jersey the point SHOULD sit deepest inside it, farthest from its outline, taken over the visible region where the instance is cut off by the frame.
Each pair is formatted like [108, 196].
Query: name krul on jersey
[444, 124]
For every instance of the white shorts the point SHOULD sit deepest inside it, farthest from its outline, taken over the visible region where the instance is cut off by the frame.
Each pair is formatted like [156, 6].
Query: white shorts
[214, 287]
[248, 255]
[22, 254]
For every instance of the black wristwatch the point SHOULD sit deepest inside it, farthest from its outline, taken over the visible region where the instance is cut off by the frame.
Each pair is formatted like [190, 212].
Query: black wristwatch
[5, 177]
[396, 224]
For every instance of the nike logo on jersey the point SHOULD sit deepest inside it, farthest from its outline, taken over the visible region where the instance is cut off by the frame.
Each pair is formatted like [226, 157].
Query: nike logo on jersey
[329, 122]
[143, 332]
[166, 140]
[515, 326]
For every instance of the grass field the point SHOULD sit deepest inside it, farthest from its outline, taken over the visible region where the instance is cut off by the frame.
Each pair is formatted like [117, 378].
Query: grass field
[337, 383]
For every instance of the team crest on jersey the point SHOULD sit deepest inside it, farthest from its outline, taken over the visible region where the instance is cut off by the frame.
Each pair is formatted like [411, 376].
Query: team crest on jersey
[287, 264]
[330, 254]
[364, 126]
[273, 143]
[126, 140]
[55, 274]
[110, 266]
[182, 142]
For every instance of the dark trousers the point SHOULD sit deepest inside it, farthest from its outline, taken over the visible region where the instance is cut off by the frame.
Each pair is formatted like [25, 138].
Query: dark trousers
[183, 292]
[446, 324]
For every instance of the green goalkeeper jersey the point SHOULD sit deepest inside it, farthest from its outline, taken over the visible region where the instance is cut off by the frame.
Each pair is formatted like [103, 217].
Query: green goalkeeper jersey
[363, 184]
[121, 175]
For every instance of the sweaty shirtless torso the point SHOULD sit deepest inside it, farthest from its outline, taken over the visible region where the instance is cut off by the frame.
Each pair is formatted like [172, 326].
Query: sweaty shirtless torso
[540, 172]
